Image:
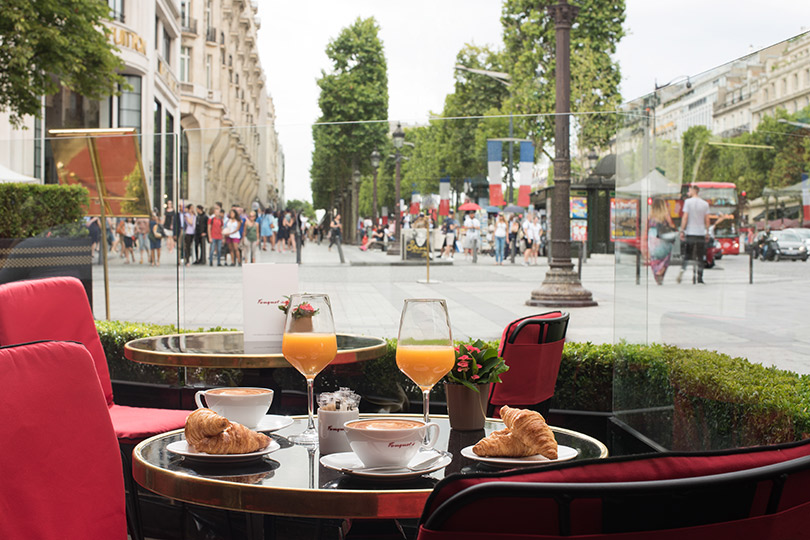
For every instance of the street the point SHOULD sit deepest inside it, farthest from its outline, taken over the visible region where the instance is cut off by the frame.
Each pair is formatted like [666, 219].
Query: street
[764, 321]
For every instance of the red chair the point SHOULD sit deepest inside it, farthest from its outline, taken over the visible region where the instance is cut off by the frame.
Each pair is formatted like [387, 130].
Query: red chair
[754, 493]
[532, 348]
[60, 465]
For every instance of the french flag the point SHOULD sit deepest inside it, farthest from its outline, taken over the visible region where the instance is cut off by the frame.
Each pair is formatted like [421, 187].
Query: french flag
[525, 170]
[494, 166]
[416, 199]
[444, 196]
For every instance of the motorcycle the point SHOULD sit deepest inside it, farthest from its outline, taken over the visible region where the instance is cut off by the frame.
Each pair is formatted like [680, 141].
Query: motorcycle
[768, 249]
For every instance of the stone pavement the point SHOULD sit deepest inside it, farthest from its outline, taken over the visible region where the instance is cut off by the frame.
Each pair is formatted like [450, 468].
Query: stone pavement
[765, 322]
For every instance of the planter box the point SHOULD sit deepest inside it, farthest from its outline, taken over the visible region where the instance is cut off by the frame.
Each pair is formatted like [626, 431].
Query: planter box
[41, 257]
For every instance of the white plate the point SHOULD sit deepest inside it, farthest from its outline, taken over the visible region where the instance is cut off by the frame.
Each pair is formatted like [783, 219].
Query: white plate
[273, 422]
[182, 448]
[345, 462]
[564, 453]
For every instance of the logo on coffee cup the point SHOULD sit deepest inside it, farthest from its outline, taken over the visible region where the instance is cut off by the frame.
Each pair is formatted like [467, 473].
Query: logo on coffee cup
[400, 445]
[333, 428]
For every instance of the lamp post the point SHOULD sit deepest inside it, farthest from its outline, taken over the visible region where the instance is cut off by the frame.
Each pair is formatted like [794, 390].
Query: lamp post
[399, 140]
[561, 286]
[375, 163]
[356, 204]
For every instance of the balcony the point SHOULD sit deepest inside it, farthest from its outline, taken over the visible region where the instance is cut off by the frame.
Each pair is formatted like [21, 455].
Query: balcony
[211, 35]
[189, 27]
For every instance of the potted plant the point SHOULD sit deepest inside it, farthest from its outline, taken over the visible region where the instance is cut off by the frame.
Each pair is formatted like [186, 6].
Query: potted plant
[477, 366]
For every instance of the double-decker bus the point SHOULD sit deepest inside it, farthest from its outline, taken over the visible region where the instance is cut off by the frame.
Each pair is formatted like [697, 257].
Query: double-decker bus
[724, 212]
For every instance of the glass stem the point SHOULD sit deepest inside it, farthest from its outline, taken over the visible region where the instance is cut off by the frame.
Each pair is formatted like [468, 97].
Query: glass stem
[310, 404]
[426, 404]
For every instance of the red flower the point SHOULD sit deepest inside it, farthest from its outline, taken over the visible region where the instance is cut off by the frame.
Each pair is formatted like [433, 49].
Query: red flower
[478, 366]
[463, 357]
[473, 349]
[456, 349]
[306, 307]
[473, 377]
[463, 364]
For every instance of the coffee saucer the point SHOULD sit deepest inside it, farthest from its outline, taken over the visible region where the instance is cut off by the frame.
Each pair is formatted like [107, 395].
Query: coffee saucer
[182, 448]
[273, 422]
[349, 463]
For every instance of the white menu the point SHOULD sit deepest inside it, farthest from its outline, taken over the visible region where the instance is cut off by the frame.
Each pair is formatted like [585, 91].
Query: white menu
[264, 287]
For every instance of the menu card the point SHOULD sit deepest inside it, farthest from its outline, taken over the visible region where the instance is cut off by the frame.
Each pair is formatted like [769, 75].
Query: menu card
[264, 287]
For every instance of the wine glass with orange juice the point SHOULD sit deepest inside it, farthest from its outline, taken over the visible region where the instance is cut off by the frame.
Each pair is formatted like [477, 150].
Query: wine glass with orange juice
[425, 344]
[309, 344]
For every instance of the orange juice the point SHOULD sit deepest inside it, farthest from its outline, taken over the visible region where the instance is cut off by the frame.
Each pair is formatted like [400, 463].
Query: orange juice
[309, 353]
[425, 364]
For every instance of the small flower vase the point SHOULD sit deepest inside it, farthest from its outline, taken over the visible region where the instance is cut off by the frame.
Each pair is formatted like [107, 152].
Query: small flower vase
[466, 408]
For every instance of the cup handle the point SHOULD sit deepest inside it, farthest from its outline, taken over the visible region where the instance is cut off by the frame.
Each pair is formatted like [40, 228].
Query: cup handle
[198, 399]
[431, 435]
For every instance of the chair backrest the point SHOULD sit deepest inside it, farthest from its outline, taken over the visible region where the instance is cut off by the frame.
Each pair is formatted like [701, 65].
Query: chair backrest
[60, 464]
[532, 348]
[712, 494]
[56, 309]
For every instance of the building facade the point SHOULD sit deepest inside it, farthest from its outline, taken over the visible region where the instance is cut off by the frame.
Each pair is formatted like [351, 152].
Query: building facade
[206, 128]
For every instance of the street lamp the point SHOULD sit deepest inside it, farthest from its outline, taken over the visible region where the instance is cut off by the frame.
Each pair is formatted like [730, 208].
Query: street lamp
[399, 140]
[356, 204]
[561, 286]
[375, 163]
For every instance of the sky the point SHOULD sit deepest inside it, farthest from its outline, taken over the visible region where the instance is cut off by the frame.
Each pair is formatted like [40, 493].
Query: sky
[666, 39]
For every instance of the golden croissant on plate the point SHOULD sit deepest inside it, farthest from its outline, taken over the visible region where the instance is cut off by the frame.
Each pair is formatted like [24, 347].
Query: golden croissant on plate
[526, 434]
[207, 431]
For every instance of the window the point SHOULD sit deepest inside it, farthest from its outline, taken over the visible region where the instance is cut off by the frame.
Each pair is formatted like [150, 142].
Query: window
[208, 73]
[185, 8]
[129, 103]
[157, 152]
[167, 47]
[185, 61]
[209, 9]
[116, 10]
[168, 166]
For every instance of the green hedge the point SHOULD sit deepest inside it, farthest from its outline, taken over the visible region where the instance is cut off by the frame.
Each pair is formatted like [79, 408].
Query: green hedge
[31, 209]
[696, 399]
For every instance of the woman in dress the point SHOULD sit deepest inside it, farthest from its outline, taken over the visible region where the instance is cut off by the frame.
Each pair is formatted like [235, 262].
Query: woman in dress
[233, 236]
[266, 228]
[168, 224]
[283, 232]
[660, 237]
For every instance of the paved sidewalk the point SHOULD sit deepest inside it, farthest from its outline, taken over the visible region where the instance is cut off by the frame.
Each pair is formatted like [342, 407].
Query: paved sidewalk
[759, 321]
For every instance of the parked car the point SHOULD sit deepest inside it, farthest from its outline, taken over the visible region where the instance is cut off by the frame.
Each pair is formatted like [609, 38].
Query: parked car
[804, 234]
[789, 246]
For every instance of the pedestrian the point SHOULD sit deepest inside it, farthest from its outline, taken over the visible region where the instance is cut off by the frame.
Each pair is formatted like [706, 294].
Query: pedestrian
[215, 234]
[142, 233]
[232, 236]
[528, 240]
[169, 225]
[660, 238]
[250, 240]
[129, 239]
[155, 237]
[472, 233]
[500, 238]
[537, 232]
[189, 226]
[334, 231]
[449, 226]
[93, 227]
[266, 228]
[514, 228]
[289, 227]
[200, 235]
[694, 230]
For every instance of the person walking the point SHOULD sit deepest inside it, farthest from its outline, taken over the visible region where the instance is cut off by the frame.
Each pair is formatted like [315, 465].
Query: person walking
[250, 241]
[695, 231]
[129, 239]
[660, 237]
[169, 225]
[528, 239]
[215, 234]
[155, 237]
[500, 239]
[233, 236]
[142, 232]
[200, 235]
[189, 225]
[266, 229]
[334, 231]
[449, 227]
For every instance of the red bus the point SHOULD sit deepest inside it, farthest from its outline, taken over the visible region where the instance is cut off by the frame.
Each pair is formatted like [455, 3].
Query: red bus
[724, 212]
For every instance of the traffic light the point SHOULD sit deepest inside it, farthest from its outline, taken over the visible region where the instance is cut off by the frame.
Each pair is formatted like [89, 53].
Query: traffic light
[743, 199]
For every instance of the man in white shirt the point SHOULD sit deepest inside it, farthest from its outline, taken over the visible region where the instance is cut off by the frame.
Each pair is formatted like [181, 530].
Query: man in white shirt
[472, 233]
[694, 231]
[528, 238]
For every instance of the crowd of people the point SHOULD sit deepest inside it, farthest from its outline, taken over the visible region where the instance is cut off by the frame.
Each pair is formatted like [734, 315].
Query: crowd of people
[202, 236]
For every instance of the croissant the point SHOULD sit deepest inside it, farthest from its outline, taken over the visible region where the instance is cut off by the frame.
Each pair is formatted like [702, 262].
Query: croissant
[207, 431]
[531, 428]
[502, 443]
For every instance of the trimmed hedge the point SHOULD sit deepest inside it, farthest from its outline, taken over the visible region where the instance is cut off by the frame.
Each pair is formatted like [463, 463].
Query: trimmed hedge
[32, 209]
[692, 399]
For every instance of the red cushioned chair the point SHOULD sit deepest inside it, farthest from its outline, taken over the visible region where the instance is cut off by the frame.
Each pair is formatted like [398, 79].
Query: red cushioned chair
[57, 309]
[753, 493]
[532, 348]
[60, 465]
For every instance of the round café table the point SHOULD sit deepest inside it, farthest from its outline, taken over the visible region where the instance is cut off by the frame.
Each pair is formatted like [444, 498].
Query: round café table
[227, 350]
[292, 482]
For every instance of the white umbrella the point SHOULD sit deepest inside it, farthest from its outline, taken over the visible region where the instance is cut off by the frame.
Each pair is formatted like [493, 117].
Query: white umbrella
[7, 175]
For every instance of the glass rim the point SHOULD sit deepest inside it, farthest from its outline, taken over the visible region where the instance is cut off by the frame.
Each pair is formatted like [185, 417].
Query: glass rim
[426, 300]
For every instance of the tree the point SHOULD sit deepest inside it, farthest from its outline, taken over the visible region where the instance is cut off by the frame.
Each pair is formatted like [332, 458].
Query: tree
[354, 109]
[50, 42]
[303, 207]
[529, 39]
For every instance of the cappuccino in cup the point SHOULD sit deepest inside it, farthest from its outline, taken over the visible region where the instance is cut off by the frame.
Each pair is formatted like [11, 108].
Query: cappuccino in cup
[246, 406]
[382, 442]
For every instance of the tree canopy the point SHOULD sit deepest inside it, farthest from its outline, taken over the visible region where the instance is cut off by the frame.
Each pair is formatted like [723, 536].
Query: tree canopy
[50, 42]
[354, 110]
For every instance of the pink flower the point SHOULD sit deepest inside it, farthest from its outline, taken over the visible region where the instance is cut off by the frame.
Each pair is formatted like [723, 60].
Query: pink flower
[463, 364]
[473, 349]
[456, 349]
[473, 377]
[478, 366]
[463, 357]
[462, 370]
[306, 307]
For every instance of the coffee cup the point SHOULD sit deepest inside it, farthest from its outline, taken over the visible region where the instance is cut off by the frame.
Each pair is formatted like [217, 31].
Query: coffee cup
[243, 405]
[332, 432]
[383, 442]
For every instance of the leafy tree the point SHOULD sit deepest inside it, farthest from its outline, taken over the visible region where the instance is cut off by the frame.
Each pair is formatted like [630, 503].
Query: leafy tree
[529, 39]
[50, 42]
[304, 207]
[354, 94]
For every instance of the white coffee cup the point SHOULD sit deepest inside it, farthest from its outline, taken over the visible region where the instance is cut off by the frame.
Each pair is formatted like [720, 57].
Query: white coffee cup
[382, 442]
[331, 431]
[240, 404]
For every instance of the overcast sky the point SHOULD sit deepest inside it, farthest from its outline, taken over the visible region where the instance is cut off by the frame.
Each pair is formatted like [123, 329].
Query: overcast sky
[665, 39]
